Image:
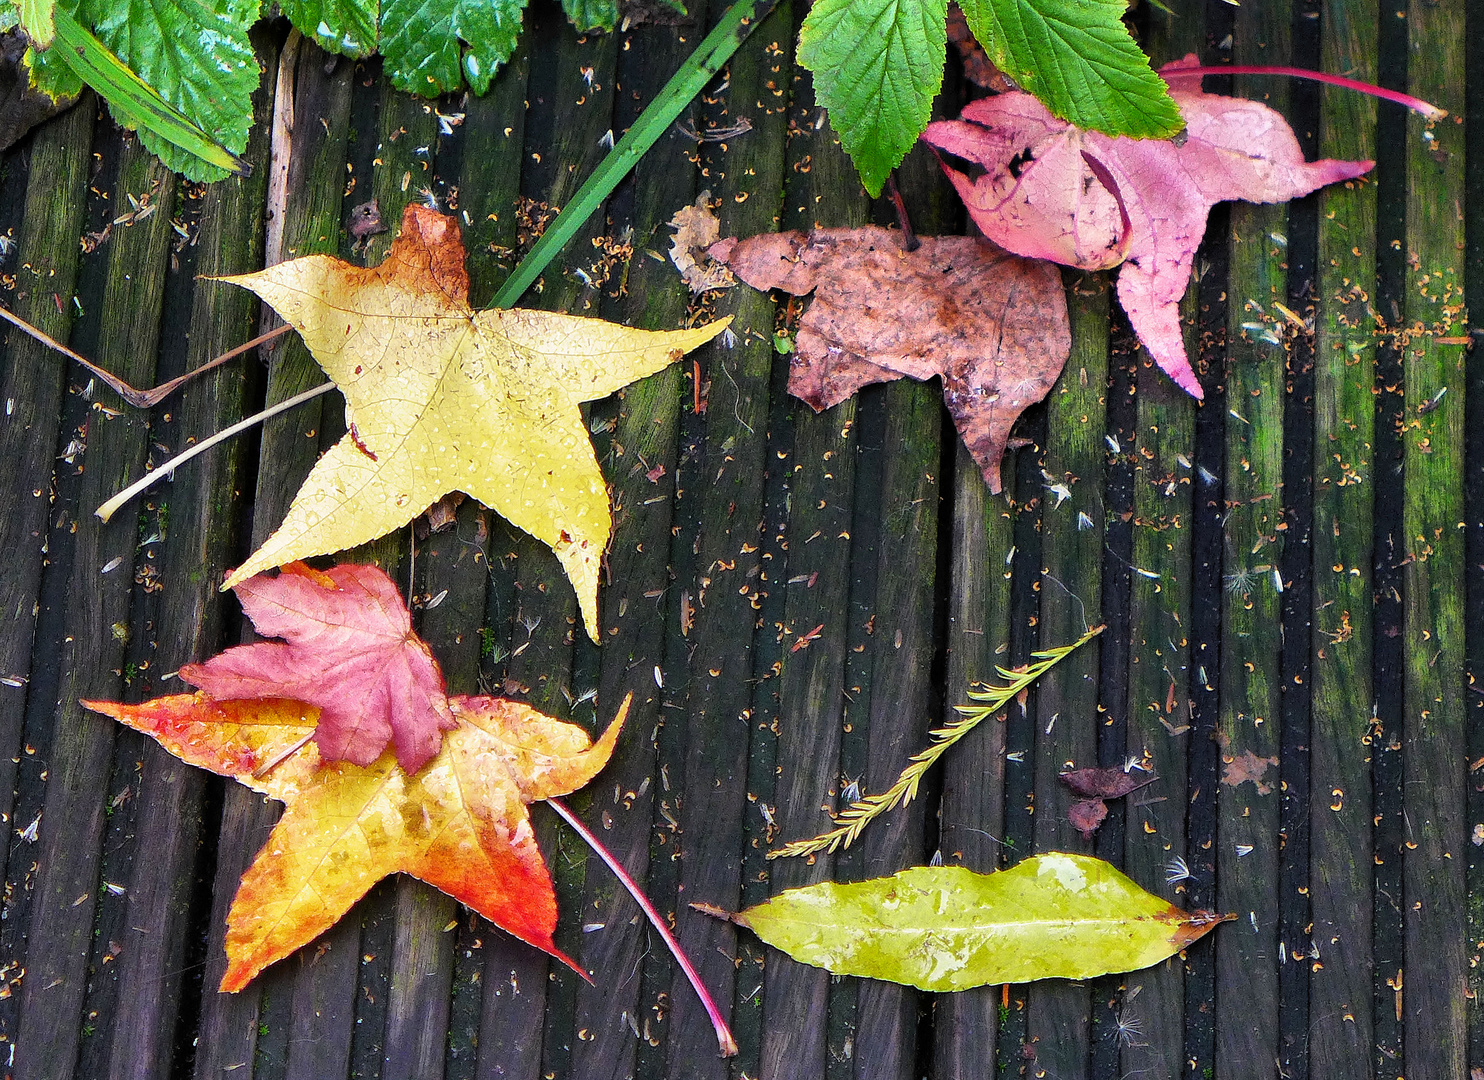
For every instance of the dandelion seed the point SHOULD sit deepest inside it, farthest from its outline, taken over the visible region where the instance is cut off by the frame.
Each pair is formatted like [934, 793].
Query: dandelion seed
[1083, 521]
[1239, 581]
[1207, 476]
[1176, 871]
[1113, 443]
[1128, 1027]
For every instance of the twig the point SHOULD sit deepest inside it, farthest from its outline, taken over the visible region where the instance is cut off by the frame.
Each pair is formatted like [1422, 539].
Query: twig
[992, 699]
[723, 1033]
[909, 238]
[142, 399]
[108, 509]
[1430, 112]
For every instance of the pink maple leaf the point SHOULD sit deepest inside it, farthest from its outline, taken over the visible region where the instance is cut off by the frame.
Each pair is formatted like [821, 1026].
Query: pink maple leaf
[349, 649]
[1053, 191]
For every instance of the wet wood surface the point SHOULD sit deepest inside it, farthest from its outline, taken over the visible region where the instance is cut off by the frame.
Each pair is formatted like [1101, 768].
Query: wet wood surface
[1291, 573]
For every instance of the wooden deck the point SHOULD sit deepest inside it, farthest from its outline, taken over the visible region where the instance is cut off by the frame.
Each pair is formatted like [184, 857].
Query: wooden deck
[1292, 575]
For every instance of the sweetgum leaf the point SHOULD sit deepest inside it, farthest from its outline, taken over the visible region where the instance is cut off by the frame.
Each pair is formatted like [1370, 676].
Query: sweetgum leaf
[1048, 190]
[460, 824]
[877, 66]
[420, 42]
[442, 398]
[1077, 57]
[348, 648]
[347, 27]
[944, 928]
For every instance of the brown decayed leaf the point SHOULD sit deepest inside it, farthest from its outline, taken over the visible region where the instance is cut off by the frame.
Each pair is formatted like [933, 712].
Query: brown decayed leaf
[1245, 767]
[1052, 191]
[460, 824]
[696, 229]
[348, 649]
[443, 398]
[1086, 815]
[1109, 783]
[992, 325]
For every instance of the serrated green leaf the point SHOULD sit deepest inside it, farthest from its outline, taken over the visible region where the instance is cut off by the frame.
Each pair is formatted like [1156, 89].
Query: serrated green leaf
[420, 42]
[51, 75]
[347, 27]
[35, 18]
[877, 66]
[588, 15]
[179, 143]
[945, 928]
[1077, 57]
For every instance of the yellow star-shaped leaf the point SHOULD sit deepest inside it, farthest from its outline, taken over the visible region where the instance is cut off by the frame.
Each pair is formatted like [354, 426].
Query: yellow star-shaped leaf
[442, 398]
[460, 823]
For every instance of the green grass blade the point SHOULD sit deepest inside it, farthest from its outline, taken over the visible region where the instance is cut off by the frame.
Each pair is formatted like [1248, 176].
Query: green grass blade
[739, 21]
[133, 99]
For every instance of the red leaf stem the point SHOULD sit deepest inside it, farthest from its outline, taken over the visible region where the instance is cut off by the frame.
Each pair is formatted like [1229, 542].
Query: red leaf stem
[1431, 112]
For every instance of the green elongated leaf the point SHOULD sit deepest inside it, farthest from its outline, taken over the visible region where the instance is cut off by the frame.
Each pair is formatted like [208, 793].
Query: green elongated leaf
[944, 928]
[170, 134]
[1077, 57]
[877, 66]
[730, 31]
[420, 42]
[347, 27]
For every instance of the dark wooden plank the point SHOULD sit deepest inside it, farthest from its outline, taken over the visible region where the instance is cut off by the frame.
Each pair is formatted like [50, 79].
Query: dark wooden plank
[728, 483]
[197, 553]
[290, 445]
[1248, 854]
[809, 708]
[639, 596]
[1433, 578]
[1067, 713]
[46, 256]
[97, 621]
[1340, 857]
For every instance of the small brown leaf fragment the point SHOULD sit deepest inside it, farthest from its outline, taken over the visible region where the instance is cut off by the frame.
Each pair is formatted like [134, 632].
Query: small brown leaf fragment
[1086, 815]
[1110, 783]
[1248, 766]
[364, 223]
[443, 513]
[696, 229]
[992, 325]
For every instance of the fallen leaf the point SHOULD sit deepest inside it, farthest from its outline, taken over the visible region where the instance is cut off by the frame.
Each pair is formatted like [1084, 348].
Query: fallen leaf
[461, 824]
[1053, 191]
[441, 398]
[696, 229]
[1110, 783]
[1248, 767]
[349, 650]
[1086, 815]
[993, 326]
[944, 928]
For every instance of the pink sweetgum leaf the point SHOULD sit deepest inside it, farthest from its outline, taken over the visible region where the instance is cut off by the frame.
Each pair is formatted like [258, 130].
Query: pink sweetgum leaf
[348, 648]
[1052, 191]
[993, 326]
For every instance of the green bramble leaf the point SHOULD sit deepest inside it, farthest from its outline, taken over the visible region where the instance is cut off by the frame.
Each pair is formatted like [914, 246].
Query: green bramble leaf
[945, 928]
[1077, 57]
[170, 69]
[420, 42]
[347, 27]
[877, 66]
[33, 16]
[591, 14]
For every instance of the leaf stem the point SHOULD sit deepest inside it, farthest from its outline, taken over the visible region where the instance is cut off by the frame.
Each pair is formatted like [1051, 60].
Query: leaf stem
[108, 509]
[143, 399]
[1431, 112]
[991, 700]
[738, 22]
[723, 1033]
